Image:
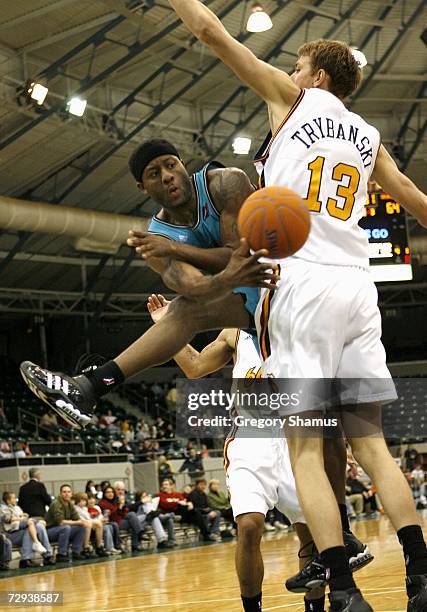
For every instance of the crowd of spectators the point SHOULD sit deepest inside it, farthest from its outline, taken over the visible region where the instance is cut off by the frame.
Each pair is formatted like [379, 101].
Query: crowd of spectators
[92, 522]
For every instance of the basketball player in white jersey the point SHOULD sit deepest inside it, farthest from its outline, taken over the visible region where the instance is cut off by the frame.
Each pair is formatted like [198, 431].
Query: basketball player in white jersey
[324, 321]
[259, 474]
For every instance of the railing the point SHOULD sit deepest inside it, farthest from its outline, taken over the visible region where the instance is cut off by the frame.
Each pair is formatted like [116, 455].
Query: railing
[25, 417]
[63, 459]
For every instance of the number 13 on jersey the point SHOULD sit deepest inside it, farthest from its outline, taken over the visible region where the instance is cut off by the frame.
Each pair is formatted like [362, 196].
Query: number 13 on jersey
[346, 189]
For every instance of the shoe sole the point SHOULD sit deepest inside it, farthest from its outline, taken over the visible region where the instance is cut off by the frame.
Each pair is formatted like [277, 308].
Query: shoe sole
[356, 563]
[53, 398]
[361, 560]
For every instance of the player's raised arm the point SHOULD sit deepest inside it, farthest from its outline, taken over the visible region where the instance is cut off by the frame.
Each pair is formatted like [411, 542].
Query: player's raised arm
[272, 85]
[394, 182]
[212, 358]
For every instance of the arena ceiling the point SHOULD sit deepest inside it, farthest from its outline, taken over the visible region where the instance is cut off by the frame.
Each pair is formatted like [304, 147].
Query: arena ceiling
[143, 75]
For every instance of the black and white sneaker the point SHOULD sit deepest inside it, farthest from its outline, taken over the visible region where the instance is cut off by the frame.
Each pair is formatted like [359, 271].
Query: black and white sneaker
[72, 398]
[418, 601]
[348, 601]
[313, 574]
[358, 553]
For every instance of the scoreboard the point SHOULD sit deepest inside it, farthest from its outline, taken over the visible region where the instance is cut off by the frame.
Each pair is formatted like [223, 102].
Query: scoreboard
[385, 225]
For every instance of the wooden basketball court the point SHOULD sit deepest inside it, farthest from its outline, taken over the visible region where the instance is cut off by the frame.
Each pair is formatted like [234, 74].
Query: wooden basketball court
[203, 578]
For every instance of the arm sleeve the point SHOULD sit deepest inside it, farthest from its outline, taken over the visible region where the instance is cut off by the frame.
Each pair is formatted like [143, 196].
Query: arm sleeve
[45, 495]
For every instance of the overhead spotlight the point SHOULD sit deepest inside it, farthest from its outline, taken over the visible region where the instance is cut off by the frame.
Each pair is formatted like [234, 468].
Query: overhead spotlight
[37, 92]
[360, 57]
[76, 106]
[259, 20]
[242, 145]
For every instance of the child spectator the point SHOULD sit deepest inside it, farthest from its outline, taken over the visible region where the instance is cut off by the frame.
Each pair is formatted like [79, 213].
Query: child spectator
[96, 525]
[111, 534]
[16, 522]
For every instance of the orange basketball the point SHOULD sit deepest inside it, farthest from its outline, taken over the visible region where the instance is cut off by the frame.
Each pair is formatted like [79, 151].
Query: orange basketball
[274, 218]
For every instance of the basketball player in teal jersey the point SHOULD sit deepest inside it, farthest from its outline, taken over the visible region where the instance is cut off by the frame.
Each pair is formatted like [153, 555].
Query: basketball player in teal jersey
[328, 301]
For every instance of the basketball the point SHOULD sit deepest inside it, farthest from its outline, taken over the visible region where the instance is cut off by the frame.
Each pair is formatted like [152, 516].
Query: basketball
[274, 218]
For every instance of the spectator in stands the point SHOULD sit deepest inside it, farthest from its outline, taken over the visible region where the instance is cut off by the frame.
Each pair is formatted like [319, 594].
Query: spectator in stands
[21, 450]
[119, 513]
[145, 452]
[153, 432]
[15, 522]
[199, 500]
[165, 468]
[156, 450]
[218, 500]
[124, 426]
[5, 552]
[20, 538]
[33, 497]
[418, 482]
[130, 434]
[112, 541]
[171, 398]
[176, 502]
[170, 434]
[411, 456]
[107, 419]
[204, 451]
[193, 464]
[157, 390]
[356, 500]
[188, 447]
[355, 486]
[64, 525]
[90, 487]
[49, 420]
[186, 489]
[5, 451]
[143, 430]
[146, 507]
[96, 525]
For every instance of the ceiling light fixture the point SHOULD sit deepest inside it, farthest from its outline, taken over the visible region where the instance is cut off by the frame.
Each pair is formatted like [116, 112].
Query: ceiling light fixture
[242, 145]
[76, 106]
[360, 57]
[37, 92]
[259, 20]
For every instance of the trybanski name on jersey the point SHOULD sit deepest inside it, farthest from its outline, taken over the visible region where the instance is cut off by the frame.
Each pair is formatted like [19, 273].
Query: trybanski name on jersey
[324, 127]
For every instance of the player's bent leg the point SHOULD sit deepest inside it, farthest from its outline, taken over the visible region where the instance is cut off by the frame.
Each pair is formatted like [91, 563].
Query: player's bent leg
[249, 563]
[184, 319]
[74, 398]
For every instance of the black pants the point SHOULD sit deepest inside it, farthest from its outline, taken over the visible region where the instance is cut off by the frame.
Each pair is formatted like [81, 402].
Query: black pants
[227, 514]
[193, 517]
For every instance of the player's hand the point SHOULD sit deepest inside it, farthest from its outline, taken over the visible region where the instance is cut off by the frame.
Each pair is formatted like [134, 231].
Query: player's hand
[244, 269]
[149, 245]
[157, 306]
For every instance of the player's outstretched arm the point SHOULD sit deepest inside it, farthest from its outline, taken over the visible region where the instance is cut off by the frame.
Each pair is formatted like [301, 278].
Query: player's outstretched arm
[194, 364]
[151, 245]
[243, 270]
[394, 182]
[272, 85]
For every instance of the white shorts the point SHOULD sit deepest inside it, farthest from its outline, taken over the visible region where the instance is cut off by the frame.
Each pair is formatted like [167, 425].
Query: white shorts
[324, 322]
[259, 477]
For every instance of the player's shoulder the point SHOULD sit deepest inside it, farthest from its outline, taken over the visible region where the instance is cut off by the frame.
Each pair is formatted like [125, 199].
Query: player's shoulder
[224, 183]
[217, 176]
